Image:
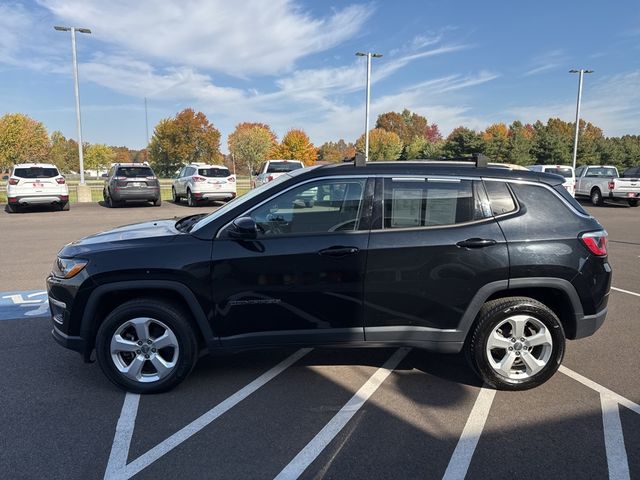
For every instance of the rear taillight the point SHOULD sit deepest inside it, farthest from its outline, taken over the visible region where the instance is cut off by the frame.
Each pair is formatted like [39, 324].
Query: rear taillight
[596, 242]
[198, 179]
[231, 179]
[119, 178]
[60, 180]
[151, 177]
[269, 178]
[612, 185]
[13, 181]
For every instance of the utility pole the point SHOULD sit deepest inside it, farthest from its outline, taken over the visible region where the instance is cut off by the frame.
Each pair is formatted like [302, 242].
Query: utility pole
[575, 140]
[369, 55]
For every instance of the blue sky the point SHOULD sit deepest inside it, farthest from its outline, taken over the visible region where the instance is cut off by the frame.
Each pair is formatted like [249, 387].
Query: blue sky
[291, 63]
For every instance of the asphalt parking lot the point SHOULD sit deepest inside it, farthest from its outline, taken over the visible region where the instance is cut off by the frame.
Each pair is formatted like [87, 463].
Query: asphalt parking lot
[350, 413]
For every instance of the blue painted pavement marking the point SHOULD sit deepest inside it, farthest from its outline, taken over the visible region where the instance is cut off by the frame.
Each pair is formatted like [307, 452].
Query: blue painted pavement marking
[17, 305]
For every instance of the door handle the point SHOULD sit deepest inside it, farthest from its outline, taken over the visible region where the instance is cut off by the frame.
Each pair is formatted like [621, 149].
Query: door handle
[476, 243]
[338, 251]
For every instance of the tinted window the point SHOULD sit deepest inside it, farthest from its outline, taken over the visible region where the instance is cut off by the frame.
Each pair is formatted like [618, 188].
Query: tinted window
[279, 167]
[602, 172]
[564, 171]
[631, 172]
[36, 172]
[214, 172]
[500, 197]
[409, 203]
[579, 171]
[567, 196]
[318, 207]
[134, 172]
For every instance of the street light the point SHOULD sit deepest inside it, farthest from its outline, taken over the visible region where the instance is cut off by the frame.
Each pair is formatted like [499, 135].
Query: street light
[73, 31]
[575, 140]
[369, 55]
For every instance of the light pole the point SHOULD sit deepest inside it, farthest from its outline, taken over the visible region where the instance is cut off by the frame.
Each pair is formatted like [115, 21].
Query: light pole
[369, 55]
[575, 140]
[73, 31]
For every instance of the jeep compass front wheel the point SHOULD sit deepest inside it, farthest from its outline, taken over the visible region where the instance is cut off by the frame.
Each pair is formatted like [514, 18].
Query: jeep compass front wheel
[517, 343]
[146, 346]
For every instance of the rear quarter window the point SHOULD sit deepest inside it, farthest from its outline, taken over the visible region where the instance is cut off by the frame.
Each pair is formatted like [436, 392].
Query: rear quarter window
[500, 197]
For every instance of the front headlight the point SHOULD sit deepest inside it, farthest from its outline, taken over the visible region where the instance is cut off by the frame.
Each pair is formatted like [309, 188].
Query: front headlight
[68, 267]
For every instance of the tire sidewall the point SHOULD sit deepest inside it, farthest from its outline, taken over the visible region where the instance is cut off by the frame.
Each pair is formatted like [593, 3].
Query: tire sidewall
[485, 329]
[168, 315]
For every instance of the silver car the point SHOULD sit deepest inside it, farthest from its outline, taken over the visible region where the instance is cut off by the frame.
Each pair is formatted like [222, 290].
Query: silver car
[199, 182]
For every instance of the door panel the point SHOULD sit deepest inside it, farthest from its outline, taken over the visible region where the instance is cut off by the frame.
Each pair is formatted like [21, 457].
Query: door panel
[419, 280]
[301, 280]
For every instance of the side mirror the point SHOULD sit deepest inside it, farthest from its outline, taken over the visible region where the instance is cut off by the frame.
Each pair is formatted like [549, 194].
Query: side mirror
[243, 228]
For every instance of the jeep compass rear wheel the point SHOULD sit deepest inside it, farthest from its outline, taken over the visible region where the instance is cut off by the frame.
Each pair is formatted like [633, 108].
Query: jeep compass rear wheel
[518, 343]
[146, 346]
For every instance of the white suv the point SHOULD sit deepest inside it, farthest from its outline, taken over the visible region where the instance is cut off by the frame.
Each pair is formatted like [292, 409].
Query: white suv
[200, 182]
[36, 184]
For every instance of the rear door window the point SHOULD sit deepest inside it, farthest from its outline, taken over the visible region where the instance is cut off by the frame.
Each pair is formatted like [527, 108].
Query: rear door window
[214, 172]
[563, 171]
[422, 202]
[36, 172]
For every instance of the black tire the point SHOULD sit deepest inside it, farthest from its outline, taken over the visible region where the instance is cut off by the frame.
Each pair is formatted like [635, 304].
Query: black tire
[157, 203]
[192, 202]
[596, 197]
[163, 312]
[64, 207]
[12, 208]
[174, 196]
[494, 314]
[108, 201]
[633, 203]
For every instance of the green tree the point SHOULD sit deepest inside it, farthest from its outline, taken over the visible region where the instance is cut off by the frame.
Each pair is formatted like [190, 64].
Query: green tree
[520, 143]
[383, 145]
[462, 142]
[98, 156]
[64, 153]
[334, 152]
[296, 145]
[496, 141]
[186, 138]
[553, 142]
[251, 143]
[22, 139]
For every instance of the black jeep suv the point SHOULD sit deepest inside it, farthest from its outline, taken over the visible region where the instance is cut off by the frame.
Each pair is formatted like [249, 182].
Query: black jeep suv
[503, 264]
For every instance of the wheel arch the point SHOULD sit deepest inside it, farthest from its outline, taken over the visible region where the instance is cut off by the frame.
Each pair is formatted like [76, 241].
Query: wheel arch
[104, 298]
[556, 293]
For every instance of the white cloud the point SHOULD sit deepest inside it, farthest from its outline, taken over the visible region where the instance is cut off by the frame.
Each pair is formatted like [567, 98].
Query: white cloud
[250, 37]
[546, 62]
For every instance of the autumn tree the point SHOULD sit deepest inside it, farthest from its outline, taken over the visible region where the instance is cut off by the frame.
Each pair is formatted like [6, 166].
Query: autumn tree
[22, 139]
[461, 142]
[188, 137]
[122, 155]
[98, 156]
[64, 153]
[336, 151]
[383, 145]
[406, 125]
[296, 145]
[251, 143]
[496, 141]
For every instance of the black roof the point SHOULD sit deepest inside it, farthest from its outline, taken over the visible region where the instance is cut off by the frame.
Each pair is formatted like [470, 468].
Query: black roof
[438, 168]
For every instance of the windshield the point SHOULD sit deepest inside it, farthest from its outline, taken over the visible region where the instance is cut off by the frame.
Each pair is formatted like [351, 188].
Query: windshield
[36, 172]
[566, 172]
[214, 172]
[240, 200]
[284, 166]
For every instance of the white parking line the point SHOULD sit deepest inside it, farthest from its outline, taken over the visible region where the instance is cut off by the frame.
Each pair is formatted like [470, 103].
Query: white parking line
[314, 448]
[201, 422]
[625, 291]
[461, 458]
[625, 402]
[122, 438]
[614, 439]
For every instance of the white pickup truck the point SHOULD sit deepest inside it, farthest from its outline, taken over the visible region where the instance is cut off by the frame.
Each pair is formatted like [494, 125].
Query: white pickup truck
[272, 169]
[601, 183]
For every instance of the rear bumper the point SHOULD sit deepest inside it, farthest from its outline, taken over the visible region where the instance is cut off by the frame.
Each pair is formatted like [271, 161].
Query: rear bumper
[587, 325]
[136, 194]
[37, 199]
[623, 195]
[215, 195]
